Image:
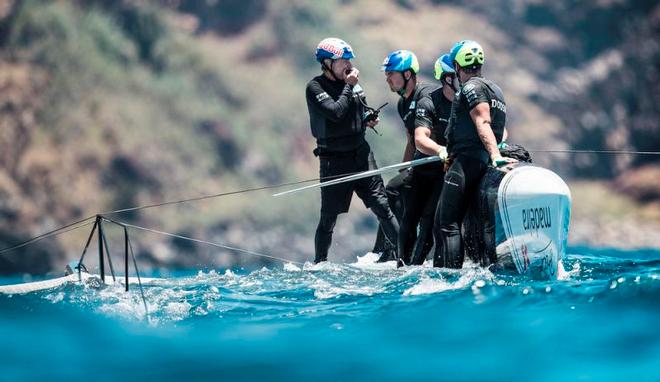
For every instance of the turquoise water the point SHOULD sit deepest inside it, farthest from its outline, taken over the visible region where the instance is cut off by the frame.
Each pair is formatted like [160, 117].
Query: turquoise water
[347, 322]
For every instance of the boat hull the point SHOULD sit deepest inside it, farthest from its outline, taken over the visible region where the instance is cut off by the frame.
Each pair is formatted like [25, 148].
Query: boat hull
[519, 221]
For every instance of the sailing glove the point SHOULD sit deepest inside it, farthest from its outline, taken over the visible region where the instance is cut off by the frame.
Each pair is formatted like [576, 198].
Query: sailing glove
[442, 153]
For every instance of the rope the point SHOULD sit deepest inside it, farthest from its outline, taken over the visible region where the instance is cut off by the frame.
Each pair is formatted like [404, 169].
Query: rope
[137, 273]
[143, 207]
[107, 251]
[89, 240]
[58, 231]
[235, 192]
[123, 224]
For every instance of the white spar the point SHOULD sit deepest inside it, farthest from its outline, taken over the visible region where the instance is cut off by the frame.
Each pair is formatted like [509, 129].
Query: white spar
[365, 174]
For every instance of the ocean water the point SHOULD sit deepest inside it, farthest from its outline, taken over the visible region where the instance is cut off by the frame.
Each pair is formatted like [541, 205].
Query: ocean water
[358, 321]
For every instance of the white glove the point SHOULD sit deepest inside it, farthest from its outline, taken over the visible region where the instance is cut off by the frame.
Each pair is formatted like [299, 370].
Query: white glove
[500, 161]
[442, 153]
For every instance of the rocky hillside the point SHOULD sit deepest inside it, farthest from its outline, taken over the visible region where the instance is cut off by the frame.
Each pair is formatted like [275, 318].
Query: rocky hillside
[107, 105]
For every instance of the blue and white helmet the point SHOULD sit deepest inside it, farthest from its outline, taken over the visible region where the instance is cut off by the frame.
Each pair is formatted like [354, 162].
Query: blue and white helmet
[443, 65]
[400, 61]
[334, 49]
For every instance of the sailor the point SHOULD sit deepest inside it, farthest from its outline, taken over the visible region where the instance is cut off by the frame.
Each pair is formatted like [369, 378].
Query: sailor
[425, 132]
[336, 107]
[476, 126]
[433, 142]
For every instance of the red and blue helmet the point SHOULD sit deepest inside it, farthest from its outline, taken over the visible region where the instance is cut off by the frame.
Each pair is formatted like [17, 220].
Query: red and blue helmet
[334, 49]
[400, 61]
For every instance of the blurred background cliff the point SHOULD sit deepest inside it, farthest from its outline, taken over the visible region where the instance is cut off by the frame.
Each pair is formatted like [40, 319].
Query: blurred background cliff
[111, 104]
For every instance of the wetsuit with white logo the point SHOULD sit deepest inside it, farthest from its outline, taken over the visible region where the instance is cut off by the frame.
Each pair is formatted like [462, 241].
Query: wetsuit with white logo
[469, 160]
[335, 113]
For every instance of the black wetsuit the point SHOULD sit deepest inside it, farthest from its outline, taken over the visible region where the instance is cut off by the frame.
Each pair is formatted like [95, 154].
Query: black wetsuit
[426, 107]
[469, 160]
[396, 190]
[335, 113]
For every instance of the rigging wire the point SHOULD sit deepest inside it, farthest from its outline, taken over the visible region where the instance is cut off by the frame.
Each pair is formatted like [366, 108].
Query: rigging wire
[235, 192]
[236, 249]
[143, 207]
[137, 273]
[58, 231]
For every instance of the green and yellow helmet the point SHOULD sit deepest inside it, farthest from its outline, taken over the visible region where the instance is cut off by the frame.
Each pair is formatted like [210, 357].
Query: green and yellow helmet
[443, 67]
[467, 54]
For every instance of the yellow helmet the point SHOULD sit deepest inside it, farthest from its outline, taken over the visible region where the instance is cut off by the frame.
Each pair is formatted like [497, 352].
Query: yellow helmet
[467, 53]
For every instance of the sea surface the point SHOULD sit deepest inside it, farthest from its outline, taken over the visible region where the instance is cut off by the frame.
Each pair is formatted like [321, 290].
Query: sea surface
[336, 322]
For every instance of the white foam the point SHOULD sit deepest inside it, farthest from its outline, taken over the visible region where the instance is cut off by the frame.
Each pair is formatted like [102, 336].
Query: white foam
[55, 297]
[177, 311]
[322, 266]
[370, 261]
[368, 258]
[470, 276]
[323, 290]
[247, 283]
[429, 286]
[324, 294]
[229, 274]
[290, 267]
[563, 275]
[116, 302]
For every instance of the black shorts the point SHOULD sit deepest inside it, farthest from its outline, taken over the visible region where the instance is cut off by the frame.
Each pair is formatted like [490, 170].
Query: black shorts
[336, 199]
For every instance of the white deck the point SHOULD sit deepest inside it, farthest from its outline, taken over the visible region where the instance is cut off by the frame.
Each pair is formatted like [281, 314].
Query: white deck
[72, 278]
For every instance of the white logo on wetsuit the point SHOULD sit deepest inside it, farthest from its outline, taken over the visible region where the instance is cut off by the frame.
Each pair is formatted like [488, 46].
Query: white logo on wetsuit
[322, 96]
[413, 104]
[469, 92]
[497, 104]
[471, 96]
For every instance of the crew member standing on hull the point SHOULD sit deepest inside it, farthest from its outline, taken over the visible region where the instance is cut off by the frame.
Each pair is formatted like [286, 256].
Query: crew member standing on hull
[336, 107]
[416, 109]
[433, 142]
[476, 126]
